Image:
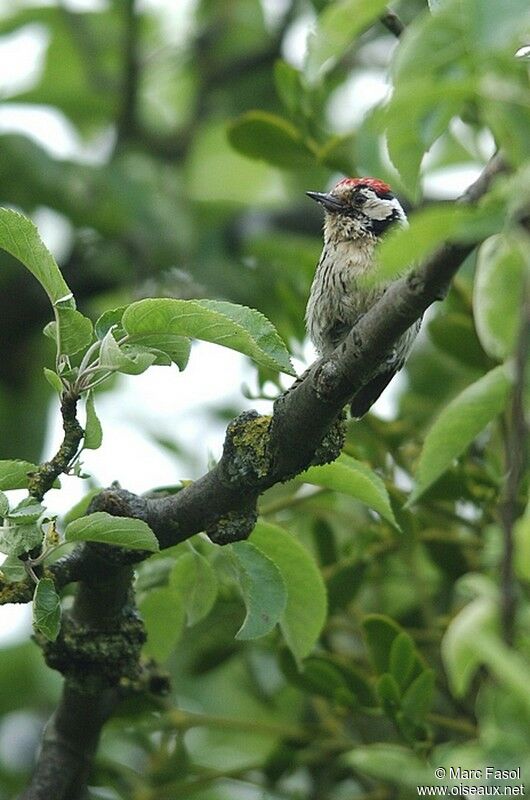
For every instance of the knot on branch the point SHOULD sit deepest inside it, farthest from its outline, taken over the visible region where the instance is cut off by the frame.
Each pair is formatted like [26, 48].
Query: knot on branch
[84, 655]
[234, 526]
[326, 379]
[118, 502]
[246, 459]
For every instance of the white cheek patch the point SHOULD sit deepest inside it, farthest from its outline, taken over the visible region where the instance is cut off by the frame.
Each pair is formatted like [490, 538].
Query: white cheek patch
[378, 208]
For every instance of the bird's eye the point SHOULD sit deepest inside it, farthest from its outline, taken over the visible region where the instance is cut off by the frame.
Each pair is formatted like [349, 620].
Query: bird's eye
[358, 199]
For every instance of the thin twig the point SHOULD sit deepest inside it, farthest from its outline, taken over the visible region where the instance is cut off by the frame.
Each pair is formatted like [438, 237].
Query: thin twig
[42, 480]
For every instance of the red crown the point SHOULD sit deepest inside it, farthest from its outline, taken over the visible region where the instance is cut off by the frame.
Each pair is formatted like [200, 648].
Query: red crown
[374, 183]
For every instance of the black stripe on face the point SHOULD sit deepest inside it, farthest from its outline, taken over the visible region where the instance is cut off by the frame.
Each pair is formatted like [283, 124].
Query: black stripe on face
[380, 226]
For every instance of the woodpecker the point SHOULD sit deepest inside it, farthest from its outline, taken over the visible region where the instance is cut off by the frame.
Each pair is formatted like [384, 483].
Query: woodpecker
[357, 213]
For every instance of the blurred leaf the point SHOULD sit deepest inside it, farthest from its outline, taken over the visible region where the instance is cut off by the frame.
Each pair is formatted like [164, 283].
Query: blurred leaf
[418, 698]
[321, 676]
[216, 173]
[47, 609]
[510, 124]
[352, 477]
[458, 424]
[14, 474]
[164, 614]
[54, 380]
[429, 228]
[522, 546]
[230, 325]
[80, 74]
[459, 32]
[288, 84]
[390, 763]
[263, 589]
[195, 579]
[418, 113]
[498, 292]
[304, 615]
[80, 509]
[338, 26]
[461, 648]
[402, 657]
[93, 432]
[258, 134]
[380, 632]
[20, 237]
[133, 534]
[454, 334]
[338, 153]
[388, 693]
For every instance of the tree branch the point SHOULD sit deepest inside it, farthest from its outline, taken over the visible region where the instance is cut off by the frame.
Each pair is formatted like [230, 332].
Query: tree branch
[304, 415]
[258, 452]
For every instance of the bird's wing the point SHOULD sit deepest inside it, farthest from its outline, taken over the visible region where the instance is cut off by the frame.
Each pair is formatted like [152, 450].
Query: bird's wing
[366, 397]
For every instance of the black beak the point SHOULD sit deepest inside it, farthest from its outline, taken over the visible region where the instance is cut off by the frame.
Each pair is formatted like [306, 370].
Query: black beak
[329, 202]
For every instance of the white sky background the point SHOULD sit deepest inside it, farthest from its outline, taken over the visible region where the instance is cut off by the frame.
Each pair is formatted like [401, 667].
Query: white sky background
[161, 400]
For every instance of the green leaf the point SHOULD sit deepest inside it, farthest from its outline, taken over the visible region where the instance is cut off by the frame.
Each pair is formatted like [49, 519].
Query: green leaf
[417, 700]
[4, 505]
[134, 534]
[28, 510]
[47, 609]
[76, 330]
[263, 590]
[163, 611]
[402, 658]
[352, 477]
[195, 579]
[303, 618]
[380, 632]
[454, 333]
[462, 649]
[260, 135]
[93, 432]
[176, 348]
[54, 380]
[227, 324]
[18, 539]
[20, 237]
[14, 474]
[497, 295]
[338, 26]
[108, 320]
[114, 358]
[427, 229]
[458, 424]
[388, 693]
[417, 114]
[391, 763]
[522, 546]
[13, 569]
[321, 676]
[288, 84]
